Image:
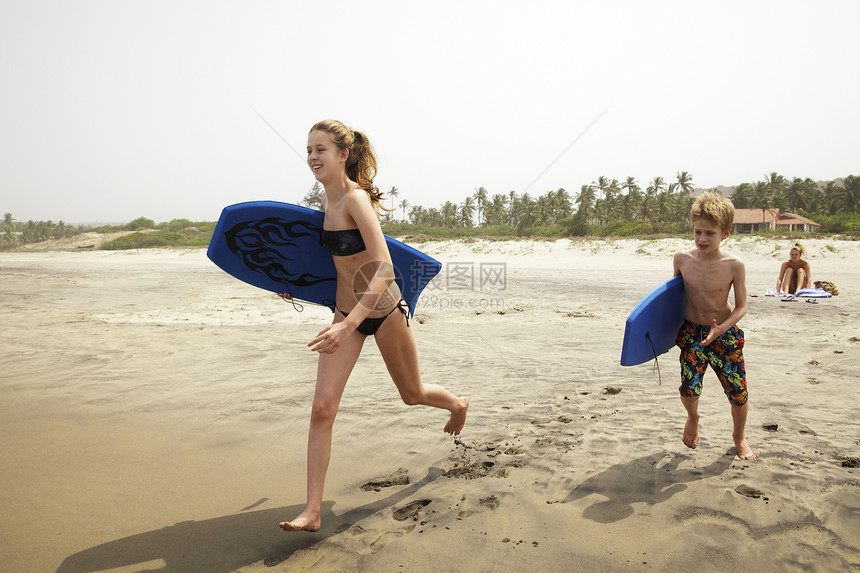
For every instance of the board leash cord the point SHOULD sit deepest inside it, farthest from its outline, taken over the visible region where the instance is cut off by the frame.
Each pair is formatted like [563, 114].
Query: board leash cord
[297, 306]
[656, 368]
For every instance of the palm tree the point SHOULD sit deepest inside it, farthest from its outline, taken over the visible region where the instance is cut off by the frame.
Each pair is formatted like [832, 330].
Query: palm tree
[830, 198]
[628, 206]
[795, 194]
[434, 217]
[614, 188]
[849, 196]
[776, 184]
[681, 205]
[449, 214]
[403, 205]
[467, 210]
[512, 208]
[685, 182]
[313, 198]
[646, 207]
[634, 201]
[601, 211]
[742, 197]
[607, 207]
[657, 185]
[543, 210]
[525, 212]
[481, 203]
[763, 196]
[560, 204]
[417, 215]
[393, 193]
[631, 185]
[613, 202]
[602, 184]
[585, 201]
[663, 206]
[496, 210]
[811, 194]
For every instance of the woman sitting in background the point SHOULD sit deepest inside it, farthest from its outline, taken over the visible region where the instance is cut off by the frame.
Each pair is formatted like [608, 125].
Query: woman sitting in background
[794, 274]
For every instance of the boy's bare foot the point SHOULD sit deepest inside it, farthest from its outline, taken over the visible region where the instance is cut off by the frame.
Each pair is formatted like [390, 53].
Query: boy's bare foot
[458, 417]
[691, 432]
[744, 450]
[301, 523]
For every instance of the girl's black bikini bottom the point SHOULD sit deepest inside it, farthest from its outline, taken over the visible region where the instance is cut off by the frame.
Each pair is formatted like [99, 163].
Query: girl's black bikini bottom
[369, 326]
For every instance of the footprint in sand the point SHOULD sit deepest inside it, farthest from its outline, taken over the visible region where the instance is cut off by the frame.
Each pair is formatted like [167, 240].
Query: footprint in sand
[470, 470]
[748, 491]
[411, 509]
[384, 539]
[400, 477]
[490, 502]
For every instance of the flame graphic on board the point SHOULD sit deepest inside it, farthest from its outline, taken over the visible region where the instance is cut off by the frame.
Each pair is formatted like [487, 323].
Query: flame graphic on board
[264, 247]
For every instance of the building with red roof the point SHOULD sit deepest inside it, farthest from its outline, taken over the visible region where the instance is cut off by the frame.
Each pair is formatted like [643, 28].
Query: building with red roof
[752, 220]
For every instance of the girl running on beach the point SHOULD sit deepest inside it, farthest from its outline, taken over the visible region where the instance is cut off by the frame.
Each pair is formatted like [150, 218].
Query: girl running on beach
[368, 302]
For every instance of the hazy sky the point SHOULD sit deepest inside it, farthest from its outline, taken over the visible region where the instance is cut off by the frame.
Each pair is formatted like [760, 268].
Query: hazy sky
[112, 110]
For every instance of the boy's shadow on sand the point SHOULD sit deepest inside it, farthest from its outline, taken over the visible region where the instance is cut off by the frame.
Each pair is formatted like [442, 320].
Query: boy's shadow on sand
[227, 543]
[642, 481]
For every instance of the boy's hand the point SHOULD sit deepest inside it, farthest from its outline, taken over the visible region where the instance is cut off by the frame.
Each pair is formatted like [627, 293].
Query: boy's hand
[713, 334]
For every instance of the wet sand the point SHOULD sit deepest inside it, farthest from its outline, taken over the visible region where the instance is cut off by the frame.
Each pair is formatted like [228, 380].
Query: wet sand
[154, 415]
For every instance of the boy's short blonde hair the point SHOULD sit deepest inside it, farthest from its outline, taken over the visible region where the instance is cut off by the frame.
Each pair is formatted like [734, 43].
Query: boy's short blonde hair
[715, 209]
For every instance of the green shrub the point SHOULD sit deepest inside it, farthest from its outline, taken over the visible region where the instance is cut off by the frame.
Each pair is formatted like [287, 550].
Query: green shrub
[146, 240]
[140, 223]
[175, 225]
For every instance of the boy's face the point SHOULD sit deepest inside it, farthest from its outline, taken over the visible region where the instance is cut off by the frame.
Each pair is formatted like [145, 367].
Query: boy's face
[708, 236]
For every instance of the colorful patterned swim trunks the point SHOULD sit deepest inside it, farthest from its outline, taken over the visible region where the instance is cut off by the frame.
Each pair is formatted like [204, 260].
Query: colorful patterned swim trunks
[725, 355]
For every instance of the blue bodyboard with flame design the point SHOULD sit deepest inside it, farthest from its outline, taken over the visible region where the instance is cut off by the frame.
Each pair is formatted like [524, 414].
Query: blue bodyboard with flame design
[277, 247]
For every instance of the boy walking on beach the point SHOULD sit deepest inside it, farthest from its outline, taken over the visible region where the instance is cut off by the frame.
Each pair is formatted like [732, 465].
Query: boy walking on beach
[710, 334]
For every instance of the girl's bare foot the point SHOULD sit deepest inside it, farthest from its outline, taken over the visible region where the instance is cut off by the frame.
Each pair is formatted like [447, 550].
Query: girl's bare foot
[458, 417]
[301, 523]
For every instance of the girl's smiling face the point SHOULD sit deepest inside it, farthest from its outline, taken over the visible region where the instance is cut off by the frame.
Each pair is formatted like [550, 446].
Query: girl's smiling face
[324, 158]
[708, 236]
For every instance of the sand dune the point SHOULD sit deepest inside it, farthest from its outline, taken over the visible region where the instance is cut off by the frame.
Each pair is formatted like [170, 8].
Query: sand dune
[154, 414]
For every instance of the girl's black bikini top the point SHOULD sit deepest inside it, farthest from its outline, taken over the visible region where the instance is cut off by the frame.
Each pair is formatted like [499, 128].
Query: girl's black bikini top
[343, 243]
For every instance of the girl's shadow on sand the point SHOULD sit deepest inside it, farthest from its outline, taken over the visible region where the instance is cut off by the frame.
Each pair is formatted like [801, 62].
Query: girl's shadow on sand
[642, 480]
[226, 543]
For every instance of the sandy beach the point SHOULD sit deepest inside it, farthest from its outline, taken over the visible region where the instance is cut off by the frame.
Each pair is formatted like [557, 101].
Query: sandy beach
[154, 416]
